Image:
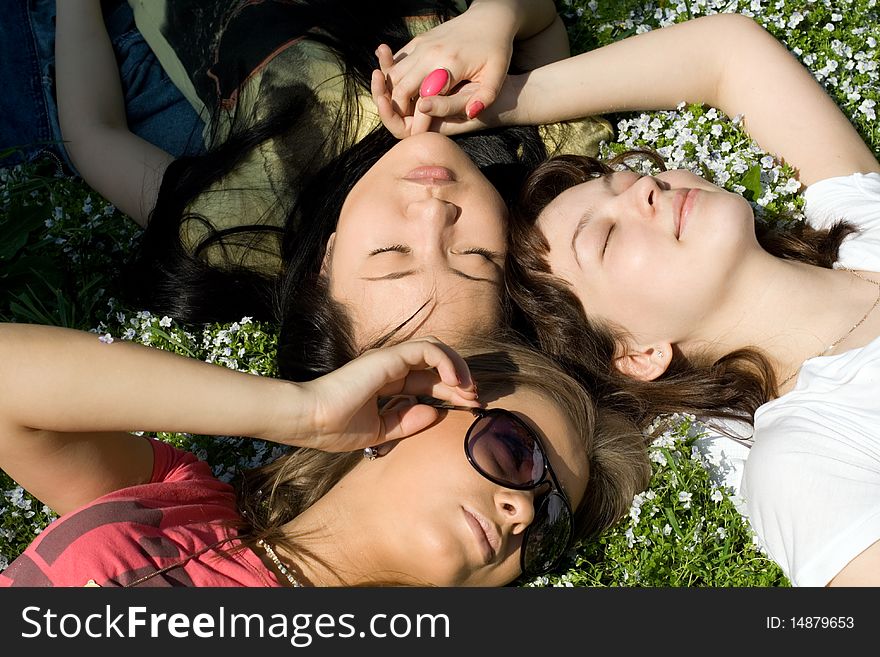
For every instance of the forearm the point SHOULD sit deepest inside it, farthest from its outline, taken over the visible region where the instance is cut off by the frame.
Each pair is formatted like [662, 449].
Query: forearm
[121, 166]
[654, 70]
[67, 381]
[725, 61]
[87, 78]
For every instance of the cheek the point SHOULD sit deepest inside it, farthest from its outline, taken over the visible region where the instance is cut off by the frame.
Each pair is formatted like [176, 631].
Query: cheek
[490, 224]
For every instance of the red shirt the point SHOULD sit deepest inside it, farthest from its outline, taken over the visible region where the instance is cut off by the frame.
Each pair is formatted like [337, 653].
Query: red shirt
[132, 532]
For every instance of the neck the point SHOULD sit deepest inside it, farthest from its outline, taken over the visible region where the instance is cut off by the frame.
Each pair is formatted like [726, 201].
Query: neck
[332, 548]
[788, 310]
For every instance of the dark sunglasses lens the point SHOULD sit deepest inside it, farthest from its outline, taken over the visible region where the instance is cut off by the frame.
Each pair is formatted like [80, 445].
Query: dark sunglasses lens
[547, 538]
[505, 450]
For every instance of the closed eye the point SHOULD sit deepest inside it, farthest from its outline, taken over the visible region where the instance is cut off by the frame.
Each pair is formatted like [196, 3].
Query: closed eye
[607, 238]
[394, 248]
[491, 256]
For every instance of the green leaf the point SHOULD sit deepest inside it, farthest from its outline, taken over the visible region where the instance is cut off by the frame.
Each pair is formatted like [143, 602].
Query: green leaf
[670, 516]
[752, 182]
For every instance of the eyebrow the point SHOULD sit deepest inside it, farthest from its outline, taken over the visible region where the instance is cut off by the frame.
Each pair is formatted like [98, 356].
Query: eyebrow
[585, 219]
[397, 275]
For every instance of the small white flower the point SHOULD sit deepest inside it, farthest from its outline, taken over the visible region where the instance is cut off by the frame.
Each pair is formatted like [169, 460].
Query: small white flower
[716, 496]
[634, 513]
[685, 499]
[106, 338]
[165, 322]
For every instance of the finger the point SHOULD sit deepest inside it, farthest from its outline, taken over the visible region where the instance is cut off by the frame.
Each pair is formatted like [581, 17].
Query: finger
[401, 95]
[444, 106]
[390, 119]
[386, 59]
[431, 352]
[450, 365]
[478, 102]
[427, 383]
[486, 94]
[405, 422]
[421, 122]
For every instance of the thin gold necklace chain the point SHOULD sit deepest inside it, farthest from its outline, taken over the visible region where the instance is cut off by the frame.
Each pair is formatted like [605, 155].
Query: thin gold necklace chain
[854, 326]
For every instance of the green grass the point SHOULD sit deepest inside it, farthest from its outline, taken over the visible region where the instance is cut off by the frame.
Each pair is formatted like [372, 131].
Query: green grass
[63, 247]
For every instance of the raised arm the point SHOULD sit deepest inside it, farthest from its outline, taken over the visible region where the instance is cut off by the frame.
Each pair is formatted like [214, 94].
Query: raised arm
[727, 61]
[118, 164]
[68, 400]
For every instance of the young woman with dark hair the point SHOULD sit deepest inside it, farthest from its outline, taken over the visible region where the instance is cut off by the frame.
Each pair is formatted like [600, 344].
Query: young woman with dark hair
[301, 188]
[401, 476]
[660, 289]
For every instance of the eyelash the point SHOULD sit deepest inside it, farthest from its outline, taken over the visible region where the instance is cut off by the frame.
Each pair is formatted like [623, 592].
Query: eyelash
[399, 248]
[486, 253]
[607, 238]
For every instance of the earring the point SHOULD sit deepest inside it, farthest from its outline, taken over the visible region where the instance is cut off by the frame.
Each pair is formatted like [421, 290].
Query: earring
[659, 354]
[370, 453]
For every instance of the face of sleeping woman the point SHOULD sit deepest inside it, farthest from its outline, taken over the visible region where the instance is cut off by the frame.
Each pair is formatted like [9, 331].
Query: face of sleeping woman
[423, 225]
[655, 255]
[440, 521]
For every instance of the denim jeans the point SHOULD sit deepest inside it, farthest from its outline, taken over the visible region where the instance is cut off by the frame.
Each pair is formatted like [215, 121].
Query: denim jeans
[155, 109]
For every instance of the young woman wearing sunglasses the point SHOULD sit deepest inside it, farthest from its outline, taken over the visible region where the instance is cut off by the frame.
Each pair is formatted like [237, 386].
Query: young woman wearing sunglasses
[450, 492]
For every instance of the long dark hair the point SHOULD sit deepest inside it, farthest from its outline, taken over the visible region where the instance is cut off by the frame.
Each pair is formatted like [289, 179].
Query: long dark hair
[192, 284]
[549, 313]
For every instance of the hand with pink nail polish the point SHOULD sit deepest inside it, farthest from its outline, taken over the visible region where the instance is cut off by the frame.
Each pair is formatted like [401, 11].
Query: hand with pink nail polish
[465, 59]
[444, 79]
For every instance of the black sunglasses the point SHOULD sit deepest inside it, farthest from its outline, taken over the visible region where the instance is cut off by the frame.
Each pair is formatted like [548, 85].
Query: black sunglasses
[507, 451]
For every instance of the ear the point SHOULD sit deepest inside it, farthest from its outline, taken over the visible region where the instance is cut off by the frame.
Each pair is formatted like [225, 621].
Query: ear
[644, 363]
[328, 253]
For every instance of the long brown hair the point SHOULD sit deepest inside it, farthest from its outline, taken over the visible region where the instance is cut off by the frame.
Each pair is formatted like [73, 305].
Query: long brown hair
[550, 315]
[272, 495]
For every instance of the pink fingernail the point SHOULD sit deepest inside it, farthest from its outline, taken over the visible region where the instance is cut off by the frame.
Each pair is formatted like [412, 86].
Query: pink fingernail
[475, 108]
[434, 82]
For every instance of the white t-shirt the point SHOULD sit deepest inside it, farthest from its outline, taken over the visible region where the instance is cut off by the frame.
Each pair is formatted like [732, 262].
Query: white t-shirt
[811, 483]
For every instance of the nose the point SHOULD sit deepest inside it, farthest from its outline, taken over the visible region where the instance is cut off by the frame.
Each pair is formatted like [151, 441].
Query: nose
[642, 197]
[516, 508]
[432, 213]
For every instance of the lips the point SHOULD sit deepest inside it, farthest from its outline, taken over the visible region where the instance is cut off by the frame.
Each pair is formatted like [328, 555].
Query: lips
[488, 538]
[686, 208]
[430, 175]
[682, 203]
